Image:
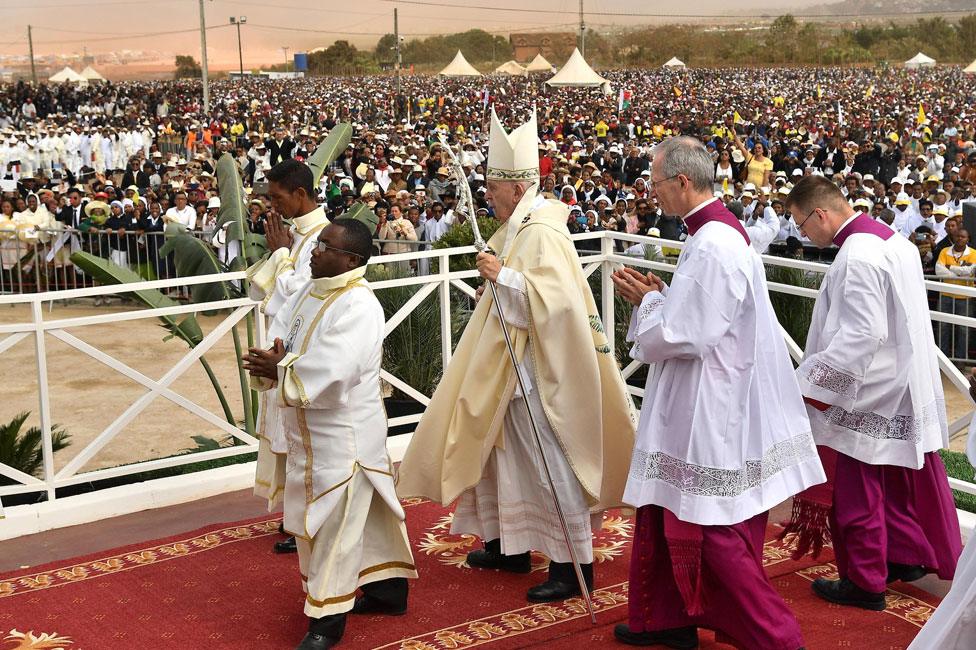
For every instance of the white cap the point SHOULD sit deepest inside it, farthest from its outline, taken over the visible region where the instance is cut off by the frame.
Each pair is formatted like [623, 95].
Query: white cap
[214, 202]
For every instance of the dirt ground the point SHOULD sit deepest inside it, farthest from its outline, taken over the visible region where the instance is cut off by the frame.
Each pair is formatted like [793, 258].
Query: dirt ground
[87, 396]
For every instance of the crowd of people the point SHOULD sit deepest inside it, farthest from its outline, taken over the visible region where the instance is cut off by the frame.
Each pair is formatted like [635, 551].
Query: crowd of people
[863, 161]
[137, 155]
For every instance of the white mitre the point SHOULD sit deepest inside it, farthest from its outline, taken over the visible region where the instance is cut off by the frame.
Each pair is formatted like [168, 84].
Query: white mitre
[513, 156]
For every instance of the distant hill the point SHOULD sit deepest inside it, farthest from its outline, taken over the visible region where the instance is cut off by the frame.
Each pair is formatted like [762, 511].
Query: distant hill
[887, 7]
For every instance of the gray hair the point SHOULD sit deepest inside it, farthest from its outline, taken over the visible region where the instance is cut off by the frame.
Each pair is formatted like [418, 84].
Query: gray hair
[687, 156]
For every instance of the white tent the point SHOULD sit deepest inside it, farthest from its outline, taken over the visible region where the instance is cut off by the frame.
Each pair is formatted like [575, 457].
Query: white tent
[67, 74]
[539, 64]
[91, 74]
[511, 68]
[459, 67]
[577, 72]
[971, 68]
[675, 62]
[920, 61]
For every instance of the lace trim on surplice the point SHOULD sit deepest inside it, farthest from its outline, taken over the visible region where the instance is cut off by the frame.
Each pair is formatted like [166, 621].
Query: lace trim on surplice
[824, 376]
[701, 480]
[908, 428]
[645, 310]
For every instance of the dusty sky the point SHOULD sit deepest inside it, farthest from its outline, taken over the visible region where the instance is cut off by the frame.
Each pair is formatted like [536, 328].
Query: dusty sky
[70, 26]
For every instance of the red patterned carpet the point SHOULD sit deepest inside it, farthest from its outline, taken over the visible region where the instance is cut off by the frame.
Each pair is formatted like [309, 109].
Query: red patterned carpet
[222, 587]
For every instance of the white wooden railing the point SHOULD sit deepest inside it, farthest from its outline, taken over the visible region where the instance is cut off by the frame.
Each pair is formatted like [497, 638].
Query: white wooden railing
[54, 511]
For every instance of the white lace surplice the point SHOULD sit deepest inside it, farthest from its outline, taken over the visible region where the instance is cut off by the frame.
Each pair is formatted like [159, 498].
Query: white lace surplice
[723, 433]
[871, 355]
[513, 502]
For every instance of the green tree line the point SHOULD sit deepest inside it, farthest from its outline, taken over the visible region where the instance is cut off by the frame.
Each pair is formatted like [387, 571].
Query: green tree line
[784, 41]
[787, 41]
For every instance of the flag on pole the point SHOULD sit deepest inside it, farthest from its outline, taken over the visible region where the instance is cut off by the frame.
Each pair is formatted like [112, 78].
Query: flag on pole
[485, 97]
[819, 91]
[677, 91]
[840, 114]
[921, 113]
[870, 91]
[623, 99]
[736, 118]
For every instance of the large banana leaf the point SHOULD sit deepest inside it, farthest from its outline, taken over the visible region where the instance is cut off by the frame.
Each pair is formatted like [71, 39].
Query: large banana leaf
[362, 212]
[233, 209]
[192, 256]
[327, 152]
[105, 272]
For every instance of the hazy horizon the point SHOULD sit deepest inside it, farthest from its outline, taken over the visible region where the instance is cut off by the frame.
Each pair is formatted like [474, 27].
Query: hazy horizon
[100, 26]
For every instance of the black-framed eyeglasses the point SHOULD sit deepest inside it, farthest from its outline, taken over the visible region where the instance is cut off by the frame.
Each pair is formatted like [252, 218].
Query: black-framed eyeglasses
[799, 226]
[323, 247]
[654, 184]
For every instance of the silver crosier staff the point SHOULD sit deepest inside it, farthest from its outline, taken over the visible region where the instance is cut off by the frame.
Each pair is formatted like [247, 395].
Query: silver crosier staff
[466, 206]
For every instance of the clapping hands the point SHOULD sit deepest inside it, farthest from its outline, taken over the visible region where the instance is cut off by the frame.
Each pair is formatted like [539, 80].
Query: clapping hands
[632, 285]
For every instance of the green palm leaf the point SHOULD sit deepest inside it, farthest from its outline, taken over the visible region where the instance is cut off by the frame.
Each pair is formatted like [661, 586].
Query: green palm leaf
[105, 272]
[192, 257]
[24, 452]
[362, 212]
[327, 152]
[233, 209]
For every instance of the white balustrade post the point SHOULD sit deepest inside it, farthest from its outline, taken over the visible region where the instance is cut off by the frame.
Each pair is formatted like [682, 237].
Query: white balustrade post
[606, 269]
[445, 296]
[43, 397]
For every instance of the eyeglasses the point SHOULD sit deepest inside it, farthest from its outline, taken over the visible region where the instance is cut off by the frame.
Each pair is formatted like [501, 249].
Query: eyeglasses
[654, 184]
[799, 226]
[323, 247]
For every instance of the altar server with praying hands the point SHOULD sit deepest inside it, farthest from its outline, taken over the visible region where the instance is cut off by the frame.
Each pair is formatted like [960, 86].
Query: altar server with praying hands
[340, 501]
[273, 281]
[870, 377]
[723, 435]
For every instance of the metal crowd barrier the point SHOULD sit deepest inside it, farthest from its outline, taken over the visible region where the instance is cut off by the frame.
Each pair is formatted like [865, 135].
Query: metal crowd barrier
[954, 340]
[39, 261]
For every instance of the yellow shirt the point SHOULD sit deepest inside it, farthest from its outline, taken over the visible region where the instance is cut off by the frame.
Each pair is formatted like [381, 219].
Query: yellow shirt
[757, 170]
[949, 258]
[601, 129]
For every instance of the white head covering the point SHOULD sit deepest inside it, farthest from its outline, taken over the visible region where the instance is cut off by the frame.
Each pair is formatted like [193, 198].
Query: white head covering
[513, 156]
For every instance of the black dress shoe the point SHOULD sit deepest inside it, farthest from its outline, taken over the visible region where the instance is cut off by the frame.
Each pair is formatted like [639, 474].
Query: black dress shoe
[287, 546]
[367, 605]
[551, 591]
[315, 641]
[562, 583]
[680, 638]
[845, 592]
[905, 572]
[490, 557]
